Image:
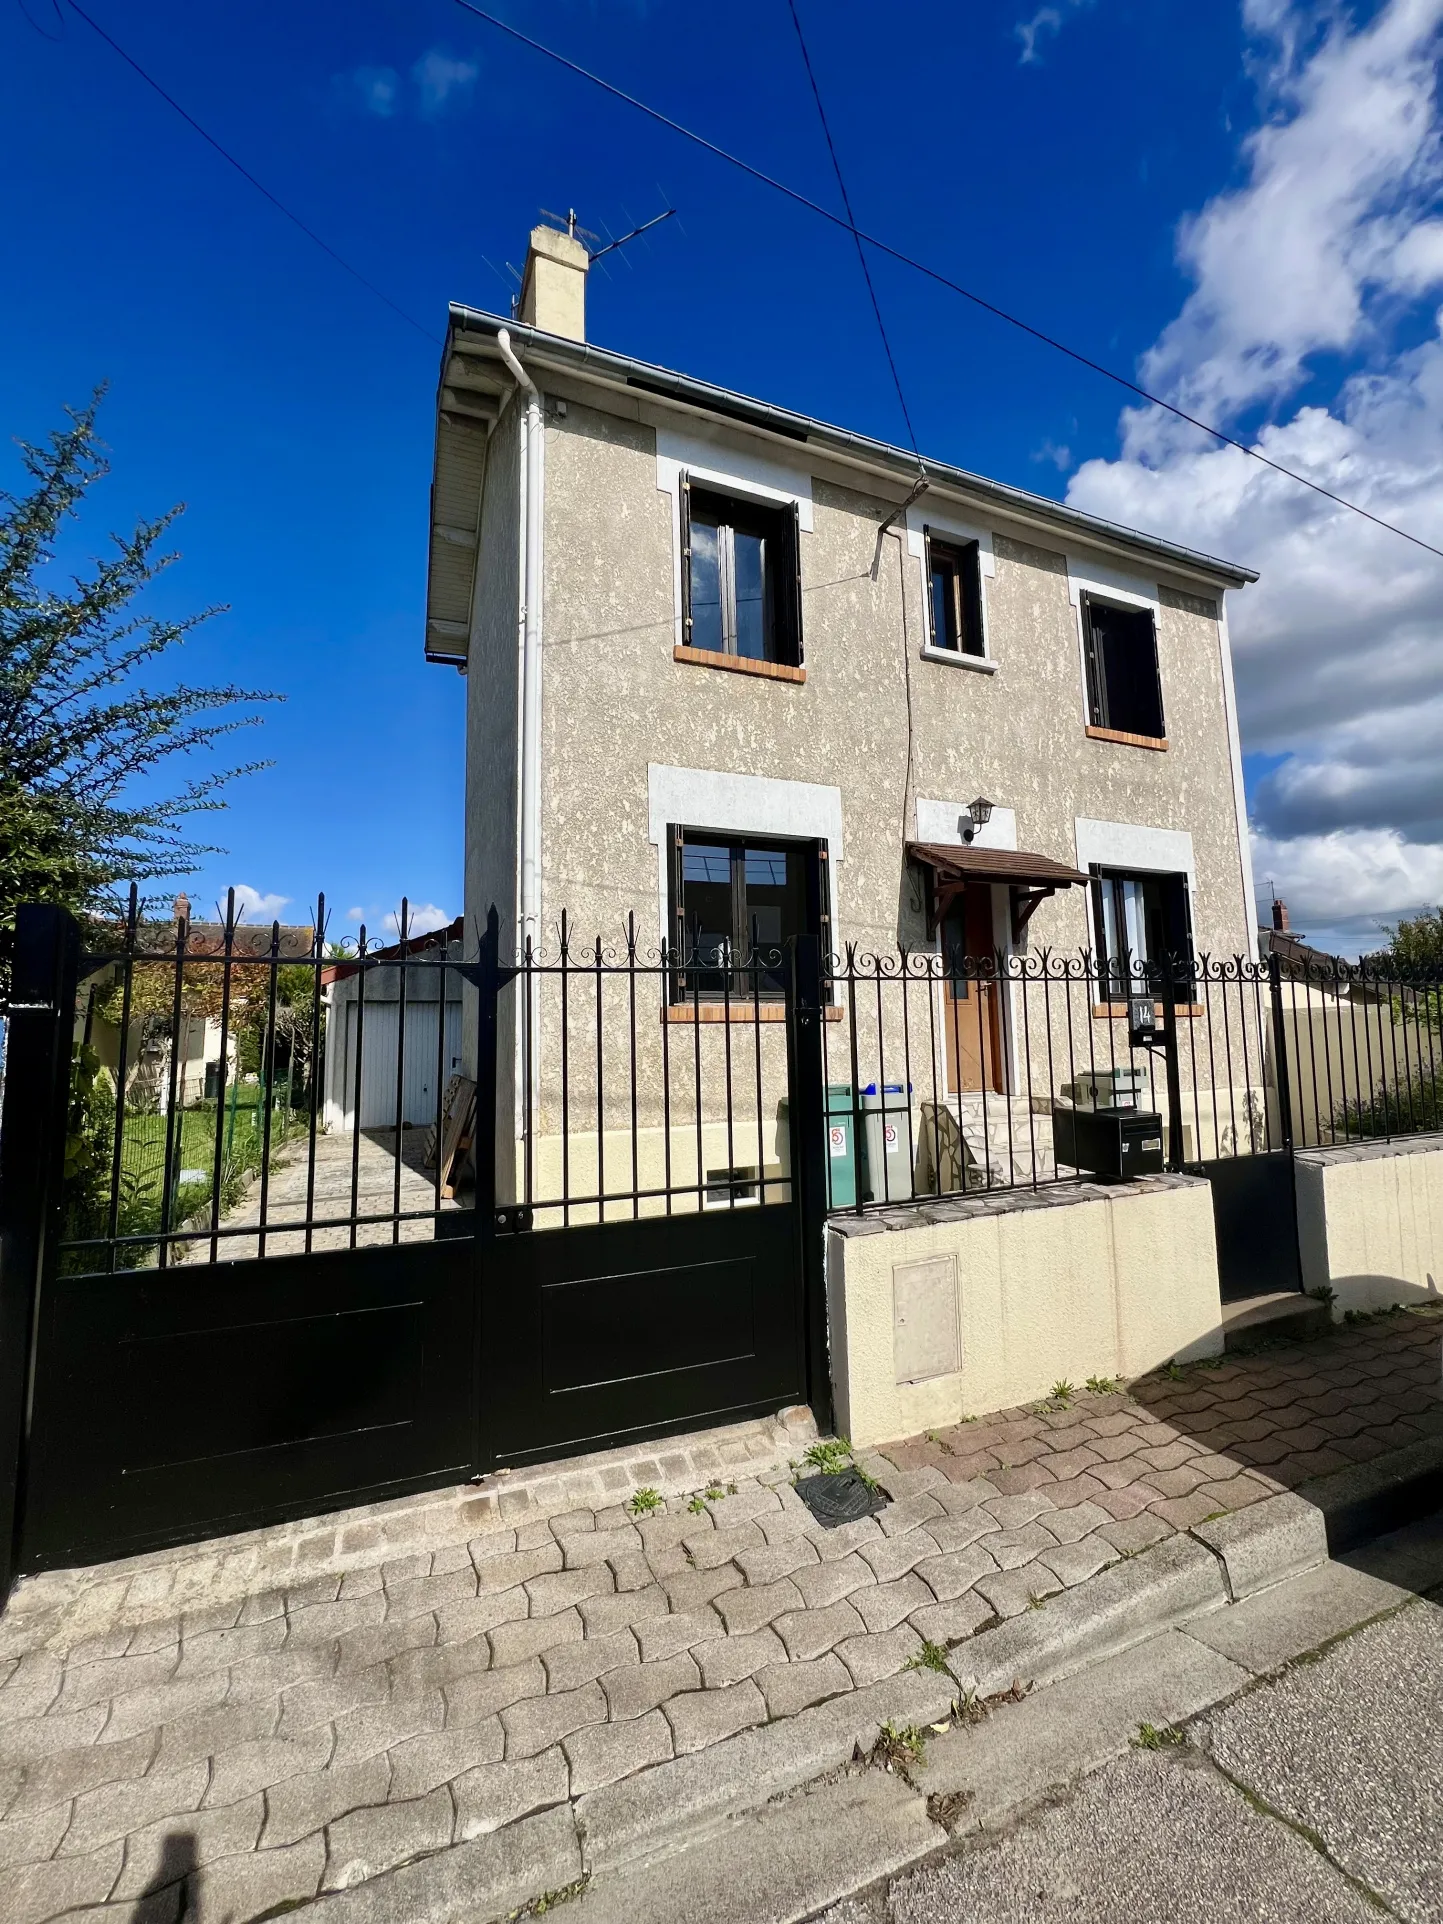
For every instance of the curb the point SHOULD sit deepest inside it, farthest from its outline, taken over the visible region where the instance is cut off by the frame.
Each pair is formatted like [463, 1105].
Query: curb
[678, 1805]
[1267, 1543]
[1370, 1499]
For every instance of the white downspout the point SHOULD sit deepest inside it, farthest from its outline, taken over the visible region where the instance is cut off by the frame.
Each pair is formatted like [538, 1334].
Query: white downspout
[531, 432]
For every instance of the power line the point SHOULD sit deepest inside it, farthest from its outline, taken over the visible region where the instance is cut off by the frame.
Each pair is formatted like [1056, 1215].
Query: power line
[932, 273]
[851, 222]
[247, 175]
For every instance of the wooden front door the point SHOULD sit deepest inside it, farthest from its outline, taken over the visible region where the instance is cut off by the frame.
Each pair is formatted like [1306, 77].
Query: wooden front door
[973, 1028]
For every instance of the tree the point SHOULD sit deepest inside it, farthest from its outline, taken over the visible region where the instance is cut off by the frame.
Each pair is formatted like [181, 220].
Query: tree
[1417, 946]
[78, 730]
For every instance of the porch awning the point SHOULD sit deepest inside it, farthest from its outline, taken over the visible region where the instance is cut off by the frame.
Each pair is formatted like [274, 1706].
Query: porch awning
[953, 866]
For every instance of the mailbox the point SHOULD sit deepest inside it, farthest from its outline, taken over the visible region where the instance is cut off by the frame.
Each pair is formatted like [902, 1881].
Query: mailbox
[1118, 1143]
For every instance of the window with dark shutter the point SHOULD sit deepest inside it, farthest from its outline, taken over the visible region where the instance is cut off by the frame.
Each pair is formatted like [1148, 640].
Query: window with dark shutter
[741, 586]
[954, 595]
[1140, 922]
[1124, 690]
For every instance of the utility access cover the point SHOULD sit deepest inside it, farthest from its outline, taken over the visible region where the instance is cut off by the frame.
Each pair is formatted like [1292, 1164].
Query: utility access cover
[840, 1498]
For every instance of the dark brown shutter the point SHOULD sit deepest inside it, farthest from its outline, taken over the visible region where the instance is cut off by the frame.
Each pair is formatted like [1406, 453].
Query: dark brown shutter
[1161, 727]
[930, 640]
[972, 598]
[678, 909]
[791, 573]
[824, 900]
[684, 506]
[1090, 643]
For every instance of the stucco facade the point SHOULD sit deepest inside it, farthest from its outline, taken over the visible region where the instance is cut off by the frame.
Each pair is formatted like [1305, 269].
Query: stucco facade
[876, 741]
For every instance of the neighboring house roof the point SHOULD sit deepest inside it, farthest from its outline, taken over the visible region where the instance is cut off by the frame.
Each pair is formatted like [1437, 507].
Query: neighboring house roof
[470, 398]
[417, 945]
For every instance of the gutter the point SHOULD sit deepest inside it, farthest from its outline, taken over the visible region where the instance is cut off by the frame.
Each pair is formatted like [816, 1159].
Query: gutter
[642, 377]
[530, 825]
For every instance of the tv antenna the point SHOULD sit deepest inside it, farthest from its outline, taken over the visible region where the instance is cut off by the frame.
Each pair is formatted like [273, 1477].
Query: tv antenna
[587, 238]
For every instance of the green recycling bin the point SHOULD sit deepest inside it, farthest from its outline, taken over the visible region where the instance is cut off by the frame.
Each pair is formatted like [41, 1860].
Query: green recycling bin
[841, 1146]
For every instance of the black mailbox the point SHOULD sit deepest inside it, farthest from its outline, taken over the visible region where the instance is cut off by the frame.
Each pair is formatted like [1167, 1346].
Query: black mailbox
[1121, 1143]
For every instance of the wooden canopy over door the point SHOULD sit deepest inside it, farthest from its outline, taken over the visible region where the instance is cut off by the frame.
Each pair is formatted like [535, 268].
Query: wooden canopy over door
[960, 906]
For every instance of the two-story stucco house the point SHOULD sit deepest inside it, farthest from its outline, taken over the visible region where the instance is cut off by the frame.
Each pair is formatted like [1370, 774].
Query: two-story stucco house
[742, 673]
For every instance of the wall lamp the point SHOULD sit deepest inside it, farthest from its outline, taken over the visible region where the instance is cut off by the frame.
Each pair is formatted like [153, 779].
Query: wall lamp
[976, 815]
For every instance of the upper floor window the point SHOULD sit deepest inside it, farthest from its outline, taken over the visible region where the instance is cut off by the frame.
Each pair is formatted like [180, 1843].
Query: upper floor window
[741, 591]
[1124, 690]
[954, 595]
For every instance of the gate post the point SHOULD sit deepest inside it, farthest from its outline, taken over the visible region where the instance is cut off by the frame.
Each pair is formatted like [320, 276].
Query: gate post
[488, 986]
[1171, 982]
[807, 1117]
[32, 1168]
[1280, 1054]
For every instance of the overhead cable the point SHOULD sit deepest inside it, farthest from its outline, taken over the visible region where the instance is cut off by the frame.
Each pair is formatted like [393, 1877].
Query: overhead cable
[247, 175]
[931, 273]
[851, 222]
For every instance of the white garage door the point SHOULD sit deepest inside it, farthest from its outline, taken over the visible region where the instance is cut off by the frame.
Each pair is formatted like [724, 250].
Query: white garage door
[378, 1063]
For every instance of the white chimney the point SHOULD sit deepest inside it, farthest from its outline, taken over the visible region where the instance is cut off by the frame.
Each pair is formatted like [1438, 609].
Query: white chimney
[553, 290]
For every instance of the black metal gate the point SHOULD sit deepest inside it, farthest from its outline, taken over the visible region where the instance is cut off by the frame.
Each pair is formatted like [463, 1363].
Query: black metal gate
[1255, 1219]
[149, 1399]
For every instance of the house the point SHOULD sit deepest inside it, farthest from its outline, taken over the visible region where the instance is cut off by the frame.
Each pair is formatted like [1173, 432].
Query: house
[197, 1019]
[741, 675]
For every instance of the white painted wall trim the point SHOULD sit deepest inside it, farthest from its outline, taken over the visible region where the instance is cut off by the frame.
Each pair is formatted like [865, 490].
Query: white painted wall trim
[937, 822]
[745, 805]
[950, 526]
[714, 460]
[1162, 851]
[1094, 577]
[1240, 798]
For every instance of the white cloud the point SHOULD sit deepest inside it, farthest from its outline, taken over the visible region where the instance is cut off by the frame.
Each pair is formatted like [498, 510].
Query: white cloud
[252, 906]
[376, 90]
[1060, 457]
[1324, 248]
[439, 78]
[437, 82]
[421, 918]
[1046, 21]
[1345, 888]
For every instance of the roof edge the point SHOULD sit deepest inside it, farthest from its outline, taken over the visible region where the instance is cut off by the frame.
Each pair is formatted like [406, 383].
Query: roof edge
[585, 358]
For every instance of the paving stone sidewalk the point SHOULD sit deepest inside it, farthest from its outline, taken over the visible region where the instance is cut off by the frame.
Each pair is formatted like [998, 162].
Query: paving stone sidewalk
[226, 1759]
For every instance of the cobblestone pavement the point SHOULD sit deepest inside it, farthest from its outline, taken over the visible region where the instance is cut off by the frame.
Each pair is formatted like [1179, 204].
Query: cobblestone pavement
[313, 1732]
[373, 1173]
[1216, 1436]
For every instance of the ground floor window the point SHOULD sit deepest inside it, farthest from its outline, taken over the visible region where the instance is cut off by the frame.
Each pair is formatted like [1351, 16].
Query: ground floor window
[735, 904]
[1139, 921]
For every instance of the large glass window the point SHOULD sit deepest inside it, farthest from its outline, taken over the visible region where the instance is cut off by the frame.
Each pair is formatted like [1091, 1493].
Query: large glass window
[1141, 921]
[741, 579]
[1124, 691]
[735, 905]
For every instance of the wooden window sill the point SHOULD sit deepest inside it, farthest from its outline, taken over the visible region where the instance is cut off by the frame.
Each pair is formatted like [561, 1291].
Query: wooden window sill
[1119, 1011]
[1159, 742]
[738, 1011]
[738, 664]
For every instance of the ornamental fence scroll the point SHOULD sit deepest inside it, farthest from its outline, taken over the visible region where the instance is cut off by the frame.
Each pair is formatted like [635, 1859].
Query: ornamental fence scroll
[237, 1092]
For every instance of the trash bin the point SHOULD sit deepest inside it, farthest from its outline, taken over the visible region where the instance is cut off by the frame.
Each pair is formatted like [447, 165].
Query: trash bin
[888, 1141]
[841, 1146]
[842, 1170]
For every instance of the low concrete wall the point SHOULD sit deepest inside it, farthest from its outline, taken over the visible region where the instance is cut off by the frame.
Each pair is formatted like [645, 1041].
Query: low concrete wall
[947, 1310]
[1370, 1222]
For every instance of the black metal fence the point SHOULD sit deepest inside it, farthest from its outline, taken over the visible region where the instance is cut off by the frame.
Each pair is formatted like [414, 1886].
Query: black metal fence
[234, 1098]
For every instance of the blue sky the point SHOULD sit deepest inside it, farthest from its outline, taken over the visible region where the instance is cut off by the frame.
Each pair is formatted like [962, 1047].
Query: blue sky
[1047, 155]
